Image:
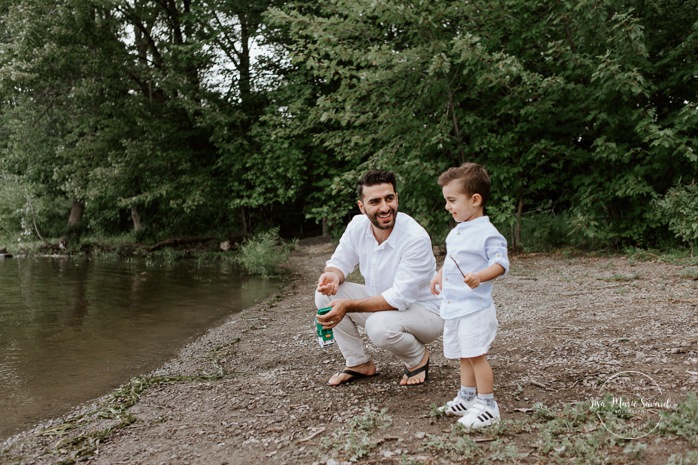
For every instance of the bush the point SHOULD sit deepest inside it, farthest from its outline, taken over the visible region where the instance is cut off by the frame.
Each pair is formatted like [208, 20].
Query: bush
[679, 210]
[541, 231]
[263, 253]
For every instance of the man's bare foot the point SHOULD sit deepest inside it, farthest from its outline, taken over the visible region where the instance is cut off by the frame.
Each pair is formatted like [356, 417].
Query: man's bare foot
[350, 374]
[418, 374]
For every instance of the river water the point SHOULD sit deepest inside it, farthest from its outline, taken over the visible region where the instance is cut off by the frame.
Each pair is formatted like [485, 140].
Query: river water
[73, 329]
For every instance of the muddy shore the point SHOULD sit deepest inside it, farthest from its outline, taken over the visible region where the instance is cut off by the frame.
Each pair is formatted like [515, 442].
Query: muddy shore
[252, 391]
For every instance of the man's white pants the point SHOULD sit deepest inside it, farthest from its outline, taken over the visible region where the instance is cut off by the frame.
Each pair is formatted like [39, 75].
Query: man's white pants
[402, 333]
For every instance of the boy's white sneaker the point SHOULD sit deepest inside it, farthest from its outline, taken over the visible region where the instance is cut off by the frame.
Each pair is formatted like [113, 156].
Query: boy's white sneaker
[480, 415]
[457, 406]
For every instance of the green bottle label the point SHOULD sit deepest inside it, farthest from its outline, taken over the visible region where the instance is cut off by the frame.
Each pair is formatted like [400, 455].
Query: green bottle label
[324, 336]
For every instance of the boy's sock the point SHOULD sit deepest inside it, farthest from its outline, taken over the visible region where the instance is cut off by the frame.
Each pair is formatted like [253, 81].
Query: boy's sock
[488, 399]
[467, 393]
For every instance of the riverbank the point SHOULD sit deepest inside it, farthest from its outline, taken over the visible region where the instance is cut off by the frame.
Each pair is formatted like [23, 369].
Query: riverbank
[253, 389]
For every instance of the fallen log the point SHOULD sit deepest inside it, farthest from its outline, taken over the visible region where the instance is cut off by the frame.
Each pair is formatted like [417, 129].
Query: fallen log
[179, 241]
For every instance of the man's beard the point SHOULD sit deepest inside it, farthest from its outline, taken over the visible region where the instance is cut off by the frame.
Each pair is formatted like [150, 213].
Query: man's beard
[376, 222]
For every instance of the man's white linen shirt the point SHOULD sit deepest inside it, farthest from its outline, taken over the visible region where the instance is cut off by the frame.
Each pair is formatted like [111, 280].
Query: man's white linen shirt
[400, 269]
[475, 245]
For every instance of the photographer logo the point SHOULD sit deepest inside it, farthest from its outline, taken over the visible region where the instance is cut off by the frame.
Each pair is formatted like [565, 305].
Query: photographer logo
[629, 404]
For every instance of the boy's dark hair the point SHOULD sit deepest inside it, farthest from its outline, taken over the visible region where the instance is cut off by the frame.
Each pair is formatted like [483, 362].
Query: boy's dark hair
[473, 179]
[375, 177]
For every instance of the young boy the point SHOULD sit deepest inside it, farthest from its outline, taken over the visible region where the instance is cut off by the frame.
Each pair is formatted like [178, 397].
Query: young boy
[476, 254]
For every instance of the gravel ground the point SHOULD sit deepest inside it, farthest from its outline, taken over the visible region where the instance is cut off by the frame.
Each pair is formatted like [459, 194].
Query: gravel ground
[252, 391]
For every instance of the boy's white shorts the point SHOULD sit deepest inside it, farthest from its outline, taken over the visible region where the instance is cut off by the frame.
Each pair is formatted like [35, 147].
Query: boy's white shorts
[471, 335]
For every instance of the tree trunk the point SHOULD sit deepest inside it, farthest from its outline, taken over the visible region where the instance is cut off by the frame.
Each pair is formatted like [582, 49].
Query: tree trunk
[76, 212]
[137, 221]
[517, 229]
[243, 218]
[245, 84]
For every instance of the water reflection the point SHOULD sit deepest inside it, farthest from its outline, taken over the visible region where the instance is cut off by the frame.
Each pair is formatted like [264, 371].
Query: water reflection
[71, 330]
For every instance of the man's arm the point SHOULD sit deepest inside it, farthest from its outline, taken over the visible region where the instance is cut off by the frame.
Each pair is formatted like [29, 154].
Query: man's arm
[369, 304]
[340, 307]
[343, 261]
[413, 274]
[437, 282]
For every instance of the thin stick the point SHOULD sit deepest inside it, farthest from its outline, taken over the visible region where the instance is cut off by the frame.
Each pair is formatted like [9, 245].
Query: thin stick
[454, 261]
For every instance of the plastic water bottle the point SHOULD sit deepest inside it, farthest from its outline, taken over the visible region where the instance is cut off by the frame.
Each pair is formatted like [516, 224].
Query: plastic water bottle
[324, 336]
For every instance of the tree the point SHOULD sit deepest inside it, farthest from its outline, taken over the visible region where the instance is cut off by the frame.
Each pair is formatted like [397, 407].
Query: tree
[262, 174]
[45, 109]
[175, 116]
[560, 101]
[115, 86]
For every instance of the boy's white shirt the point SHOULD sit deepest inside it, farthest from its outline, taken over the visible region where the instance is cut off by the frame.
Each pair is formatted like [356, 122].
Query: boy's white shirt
[399, 269]
[475, 245]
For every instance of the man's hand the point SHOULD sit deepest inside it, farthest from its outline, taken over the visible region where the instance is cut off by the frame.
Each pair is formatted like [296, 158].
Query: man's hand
[340, 307]
[328, 283]
[435, 284]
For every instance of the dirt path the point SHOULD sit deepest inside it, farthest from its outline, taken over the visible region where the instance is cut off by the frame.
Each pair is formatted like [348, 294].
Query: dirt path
[252, 391]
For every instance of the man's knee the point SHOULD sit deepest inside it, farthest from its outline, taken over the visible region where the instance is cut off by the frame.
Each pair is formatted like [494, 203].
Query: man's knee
[383, 330]
[321, 300]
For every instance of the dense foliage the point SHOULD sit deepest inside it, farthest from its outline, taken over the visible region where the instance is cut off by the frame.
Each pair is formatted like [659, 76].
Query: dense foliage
[231, 116]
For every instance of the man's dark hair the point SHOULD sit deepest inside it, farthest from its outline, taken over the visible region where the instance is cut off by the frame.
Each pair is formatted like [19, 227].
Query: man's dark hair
[375, 177]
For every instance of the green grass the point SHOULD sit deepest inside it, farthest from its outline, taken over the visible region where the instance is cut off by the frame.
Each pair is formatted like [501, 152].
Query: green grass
[690, 273]
[689, 458]
[263, 253]
[682, 422]
[358, 438]
[570, 433]
[113, 415]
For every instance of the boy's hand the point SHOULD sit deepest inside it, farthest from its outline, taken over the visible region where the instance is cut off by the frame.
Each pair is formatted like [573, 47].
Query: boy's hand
[472, 280]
